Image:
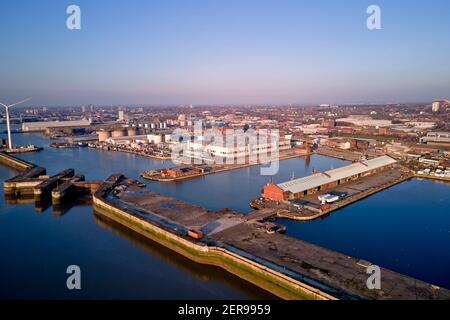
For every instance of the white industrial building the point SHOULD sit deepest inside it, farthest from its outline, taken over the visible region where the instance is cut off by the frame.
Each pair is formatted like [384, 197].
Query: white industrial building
[144, 139]
[436, 138]
[365, 121]
[41, 126]
[198, 149]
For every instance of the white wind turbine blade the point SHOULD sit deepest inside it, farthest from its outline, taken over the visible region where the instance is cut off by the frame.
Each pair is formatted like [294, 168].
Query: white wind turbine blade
[15, 104]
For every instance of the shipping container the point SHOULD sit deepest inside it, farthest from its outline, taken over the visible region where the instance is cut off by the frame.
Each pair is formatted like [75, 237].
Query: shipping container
[195, 234]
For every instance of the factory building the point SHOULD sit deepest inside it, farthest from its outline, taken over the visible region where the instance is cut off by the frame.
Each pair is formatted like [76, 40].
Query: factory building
[155, 138]
[42, 126]
[364, 121]
[299, 188]
[436, 138]
[144, 139]
[240, 148]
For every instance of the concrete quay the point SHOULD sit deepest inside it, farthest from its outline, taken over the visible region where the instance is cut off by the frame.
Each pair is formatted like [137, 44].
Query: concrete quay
[65, 188]
[285, 266]
[32, 181]
[425, 176]
[135, 152]
[29, 177]
[49, 184]
[14, 162]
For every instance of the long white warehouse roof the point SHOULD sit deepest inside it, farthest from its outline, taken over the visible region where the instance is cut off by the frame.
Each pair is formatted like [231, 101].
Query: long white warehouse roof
[318, 179]
[31, 126]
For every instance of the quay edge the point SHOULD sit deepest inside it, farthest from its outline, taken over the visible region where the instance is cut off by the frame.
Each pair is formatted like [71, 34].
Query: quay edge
[262, 276]
[323, 274]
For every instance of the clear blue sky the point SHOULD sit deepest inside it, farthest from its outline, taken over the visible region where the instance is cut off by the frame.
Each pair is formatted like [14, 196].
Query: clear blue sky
[227, 51]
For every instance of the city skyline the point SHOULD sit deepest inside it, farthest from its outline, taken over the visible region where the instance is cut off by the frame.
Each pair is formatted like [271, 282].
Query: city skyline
[268, 52]
[215, 157]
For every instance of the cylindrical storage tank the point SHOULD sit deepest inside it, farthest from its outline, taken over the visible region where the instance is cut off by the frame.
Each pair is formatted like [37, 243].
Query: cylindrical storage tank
[132, 132]
[118, 133]
[103, 135]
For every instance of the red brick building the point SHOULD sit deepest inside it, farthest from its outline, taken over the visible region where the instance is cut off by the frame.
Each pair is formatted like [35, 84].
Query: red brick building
[273, 192]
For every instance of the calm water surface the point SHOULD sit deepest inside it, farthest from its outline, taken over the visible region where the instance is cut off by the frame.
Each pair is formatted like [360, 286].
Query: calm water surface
[36, 247]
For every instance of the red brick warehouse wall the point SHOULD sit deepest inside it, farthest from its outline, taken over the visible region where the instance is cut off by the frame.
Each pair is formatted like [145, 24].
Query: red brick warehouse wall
[273, 192]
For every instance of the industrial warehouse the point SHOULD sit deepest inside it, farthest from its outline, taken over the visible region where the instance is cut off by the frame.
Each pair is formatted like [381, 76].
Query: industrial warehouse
[299, 188]
[44, 125]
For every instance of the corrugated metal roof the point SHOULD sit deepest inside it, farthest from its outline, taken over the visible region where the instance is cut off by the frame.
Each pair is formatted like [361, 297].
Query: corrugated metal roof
[302, 184]
[49, 124]
[380, 161]
[348, 171]
[318, 179]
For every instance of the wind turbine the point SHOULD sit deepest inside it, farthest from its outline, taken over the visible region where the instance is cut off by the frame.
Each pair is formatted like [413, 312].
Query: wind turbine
[7, 119]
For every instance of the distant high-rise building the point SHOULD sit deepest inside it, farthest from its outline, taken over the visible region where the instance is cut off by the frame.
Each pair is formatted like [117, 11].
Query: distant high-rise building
[440, 104]
[435, 106]
[121, 115]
